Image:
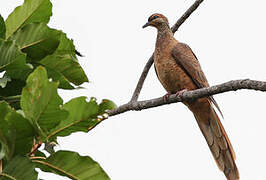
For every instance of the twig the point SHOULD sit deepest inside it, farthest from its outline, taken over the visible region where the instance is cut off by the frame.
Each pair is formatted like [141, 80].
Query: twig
[6, 175]
[191, 95]
[148, 65]
[182, 19]
[37, 157]
[35, 147]
[142, 78]
[11, 99]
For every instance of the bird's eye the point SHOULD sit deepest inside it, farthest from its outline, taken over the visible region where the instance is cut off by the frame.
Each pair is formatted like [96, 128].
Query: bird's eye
[152, 18]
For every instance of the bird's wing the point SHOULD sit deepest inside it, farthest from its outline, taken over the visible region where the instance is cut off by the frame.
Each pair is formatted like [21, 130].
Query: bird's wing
[188, 61]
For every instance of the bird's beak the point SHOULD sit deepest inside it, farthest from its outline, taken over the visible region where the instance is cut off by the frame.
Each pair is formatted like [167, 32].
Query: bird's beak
[146, 25]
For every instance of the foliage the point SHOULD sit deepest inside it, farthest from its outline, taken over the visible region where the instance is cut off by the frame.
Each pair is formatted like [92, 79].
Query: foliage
[35, 61]
[81, 167]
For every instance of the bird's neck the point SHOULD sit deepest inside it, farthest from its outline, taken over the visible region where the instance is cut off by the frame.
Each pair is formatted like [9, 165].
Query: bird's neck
[164, 35]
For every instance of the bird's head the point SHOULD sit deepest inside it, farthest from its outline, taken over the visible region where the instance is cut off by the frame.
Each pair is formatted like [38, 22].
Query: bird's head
[156, 20]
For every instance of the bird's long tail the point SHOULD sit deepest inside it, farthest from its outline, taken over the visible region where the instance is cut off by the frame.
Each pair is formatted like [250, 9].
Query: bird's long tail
[216, 137]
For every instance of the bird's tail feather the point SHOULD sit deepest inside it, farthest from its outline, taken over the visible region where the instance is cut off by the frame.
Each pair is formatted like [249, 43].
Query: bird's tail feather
[216, 137]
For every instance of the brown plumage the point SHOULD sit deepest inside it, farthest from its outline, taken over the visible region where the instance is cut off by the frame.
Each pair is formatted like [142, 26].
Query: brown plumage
[177, 69]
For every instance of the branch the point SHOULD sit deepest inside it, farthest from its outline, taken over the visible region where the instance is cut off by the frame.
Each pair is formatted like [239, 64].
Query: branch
[142, 78]
[148, 65]
[191, 95]
[182, 19]
[35, 147]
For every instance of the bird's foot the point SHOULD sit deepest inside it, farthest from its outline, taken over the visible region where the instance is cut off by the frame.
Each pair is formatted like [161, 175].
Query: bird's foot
[181, 92]
[166, 97]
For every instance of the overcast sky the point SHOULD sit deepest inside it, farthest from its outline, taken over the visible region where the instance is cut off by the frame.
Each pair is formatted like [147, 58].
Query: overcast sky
[229, 40]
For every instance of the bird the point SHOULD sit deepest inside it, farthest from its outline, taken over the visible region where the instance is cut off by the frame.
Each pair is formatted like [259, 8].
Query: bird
[178, 70]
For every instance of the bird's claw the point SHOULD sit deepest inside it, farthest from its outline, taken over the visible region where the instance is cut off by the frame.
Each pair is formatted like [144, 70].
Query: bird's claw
[181, 92]
[178, 93]
[166, 97]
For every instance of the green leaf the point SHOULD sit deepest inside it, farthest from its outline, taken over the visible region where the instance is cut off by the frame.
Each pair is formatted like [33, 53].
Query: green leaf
[31, 11]
[19, 74]
[24, 133]
[37, 40]
[2, 28]
[16, 133]
[72, 165]
[41, 103]
[19, 168]
[7, 133]
[82, 116]
[106, 105]
[11, 57]
[64, 62]
[57, 76]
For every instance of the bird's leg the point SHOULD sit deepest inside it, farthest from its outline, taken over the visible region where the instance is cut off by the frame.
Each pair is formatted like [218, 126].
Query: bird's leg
[166, 97]
[180, 93]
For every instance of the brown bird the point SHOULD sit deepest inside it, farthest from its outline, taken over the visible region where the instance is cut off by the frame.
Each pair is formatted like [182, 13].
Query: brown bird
[178, 70]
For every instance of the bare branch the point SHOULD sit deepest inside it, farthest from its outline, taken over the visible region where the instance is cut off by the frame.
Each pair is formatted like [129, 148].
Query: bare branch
[148, 65]
[191, 95]
[181, 20]
[142, 78]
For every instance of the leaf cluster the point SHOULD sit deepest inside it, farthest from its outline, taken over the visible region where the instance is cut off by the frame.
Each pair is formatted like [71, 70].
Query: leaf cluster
[36, 60]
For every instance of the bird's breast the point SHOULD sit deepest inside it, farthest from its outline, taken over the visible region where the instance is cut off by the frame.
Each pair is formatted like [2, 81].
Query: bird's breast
[170, 74]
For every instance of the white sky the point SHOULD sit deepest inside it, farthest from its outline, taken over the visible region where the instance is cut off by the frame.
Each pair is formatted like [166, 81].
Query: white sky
[228, 38]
